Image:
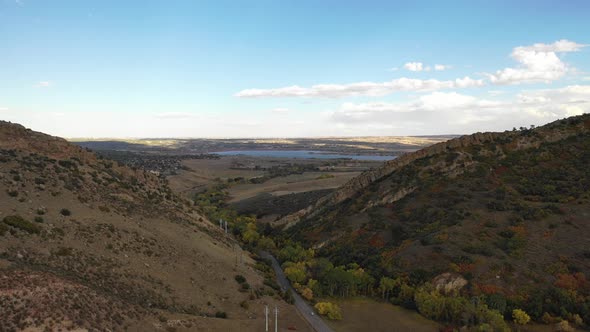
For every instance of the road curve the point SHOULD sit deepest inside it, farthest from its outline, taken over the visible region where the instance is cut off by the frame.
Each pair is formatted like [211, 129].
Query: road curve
[305, 309]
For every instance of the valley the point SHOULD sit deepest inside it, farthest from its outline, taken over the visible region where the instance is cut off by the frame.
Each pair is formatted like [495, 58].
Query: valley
[344, 230]
[311, 166]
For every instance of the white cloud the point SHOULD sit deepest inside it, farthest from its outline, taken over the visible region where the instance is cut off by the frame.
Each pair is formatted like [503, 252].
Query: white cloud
[451, 112]
[419, 66]
[495, 92]
[438, 67]
[416, 66]
[3, 109]
[280, 110]
[43, 84]
[430, 102]
[173, 115]
[538, 63]
[393, 69]
[361, 88]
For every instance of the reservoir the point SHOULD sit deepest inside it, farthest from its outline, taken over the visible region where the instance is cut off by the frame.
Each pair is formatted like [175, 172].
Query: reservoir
[302, 154]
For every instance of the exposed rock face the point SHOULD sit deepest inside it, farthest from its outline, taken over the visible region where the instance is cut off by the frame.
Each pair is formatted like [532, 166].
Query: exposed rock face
[357, 184]
[449, 282]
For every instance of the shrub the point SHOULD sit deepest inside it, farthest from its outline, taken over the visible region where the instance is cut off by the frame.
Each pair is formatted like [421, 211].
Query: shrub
[245, 305]
[240, 279]
[104, 208]
[220, 314]
[22, 224]
[12, 193]
[38, 219]
[65, 212]
[3, 229]
[520, 317]
[245, 286]
[563, 326]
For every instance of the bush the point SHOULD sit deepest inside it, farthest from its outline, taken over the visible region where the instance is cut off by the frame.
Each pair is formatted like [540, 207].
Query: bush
[65, 212]
[38, 219]
[22, 224]
[3, 229]
[221, 314]
[240, 279]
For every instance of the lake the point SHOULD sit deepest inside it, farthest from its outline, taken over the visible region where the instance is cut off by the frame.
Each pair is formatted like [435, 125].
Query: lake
[302, 154]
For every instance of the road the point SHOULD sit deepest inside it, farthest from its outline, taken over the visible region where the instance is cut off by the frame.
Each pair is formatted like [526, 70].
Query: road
[304, 309]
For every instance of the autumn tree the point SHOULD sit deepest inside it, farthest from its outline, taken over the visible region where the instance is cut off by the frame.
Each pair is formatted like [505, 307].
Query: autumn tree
[520, 317]
[328, 309]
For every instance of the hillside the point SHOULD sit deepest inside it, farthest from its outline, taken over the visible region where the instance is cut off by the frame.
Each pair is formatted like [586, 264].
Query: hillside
[88, 244]
[507, 212]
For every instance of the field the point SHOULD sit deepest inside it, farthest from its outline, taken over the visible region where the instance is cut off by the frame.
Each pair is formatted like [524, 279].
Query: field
[292, 184]
[197, 175]
[361, 314]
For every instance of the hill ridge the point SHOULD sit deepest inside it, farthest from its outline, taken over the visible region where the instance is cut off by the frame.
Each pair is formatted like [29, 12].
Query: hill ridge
[365, 179]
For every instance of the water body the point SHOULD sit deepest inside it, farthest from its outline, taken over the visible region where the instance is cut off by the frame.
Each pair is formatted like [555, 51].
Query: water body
[302, 154]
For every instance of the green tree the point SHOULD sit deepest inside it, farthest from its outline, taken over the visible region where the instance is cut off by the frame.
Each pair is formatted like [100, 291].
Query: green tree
[386, 286]
[295, 272]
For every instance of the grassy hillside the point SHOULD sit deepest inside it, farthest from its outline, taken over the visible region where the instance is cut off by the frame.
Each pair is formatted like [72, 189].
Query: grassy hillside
[88, 244]
[506, 212]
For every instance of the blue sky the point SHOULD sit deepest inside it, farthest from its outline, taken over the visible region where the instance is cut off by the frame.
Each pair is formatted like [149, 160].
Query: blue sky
[291, 68]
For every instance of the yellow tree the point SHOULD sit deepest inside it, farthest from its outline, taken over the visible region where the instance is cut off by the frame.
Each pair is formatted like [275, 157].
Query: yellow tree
[328, 309]
[520, 317]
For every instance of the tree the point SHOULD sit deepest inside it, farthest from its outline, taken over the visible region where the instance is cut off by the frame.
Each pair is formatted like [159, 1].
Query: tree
[307, 293]
[386, 285]
[430, 303]
[266, 243]
[520, 317]
[328, 309]
[250, 235]
[295, 272]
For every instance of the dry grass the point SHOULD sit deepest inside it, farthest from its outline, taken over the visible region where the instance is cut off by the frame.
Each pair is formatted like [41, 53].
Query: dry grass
[361, 314]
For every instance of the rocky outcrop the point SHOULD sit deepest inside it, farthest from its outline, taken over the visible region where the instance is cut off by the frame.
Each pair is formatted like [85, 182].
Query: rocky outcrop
[448, 283]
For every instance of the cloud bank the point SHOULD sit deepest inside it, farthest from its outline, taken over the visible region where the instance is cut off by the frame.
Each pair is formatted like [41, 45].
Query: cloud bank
[451, 112]
[537, 63]
[361, 88]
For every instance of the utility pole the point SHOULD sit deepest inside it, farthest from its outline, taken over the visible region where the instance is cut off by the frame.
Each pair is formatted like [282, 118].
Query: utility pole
[226, 226]
[276, 319]
[266, 317]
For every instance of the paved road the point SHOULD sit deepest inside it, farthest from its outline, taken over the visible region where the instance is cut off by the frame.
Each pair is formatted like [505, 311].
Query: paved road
[305, 309]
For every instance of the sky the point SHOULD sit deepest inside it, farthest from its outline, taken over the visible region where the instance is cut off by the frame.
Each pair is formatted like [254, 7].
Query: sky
[122, 69]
